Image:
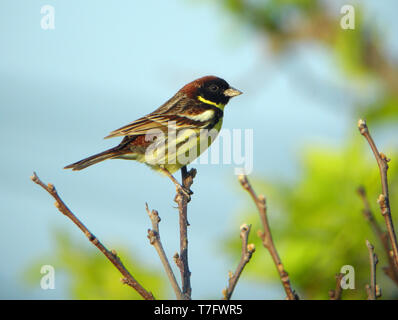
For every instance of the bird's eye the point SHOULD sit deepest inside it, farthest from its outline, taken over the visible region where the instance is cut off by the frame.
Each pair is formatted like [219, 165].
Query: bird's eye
[213, 88]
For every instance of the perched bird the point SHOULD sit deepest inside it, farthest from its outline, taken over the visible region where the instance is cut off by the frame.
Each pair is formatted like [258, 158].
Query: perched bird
[176, 133]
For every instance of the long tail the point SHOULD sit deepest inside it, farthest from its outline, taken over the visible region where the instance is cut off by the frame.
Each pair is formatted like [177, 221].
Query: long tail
[107, 154]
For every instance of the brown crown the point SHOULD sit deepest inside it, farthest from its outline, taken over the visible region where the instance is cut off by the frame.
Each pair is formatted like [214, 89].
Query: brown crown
[191, 88]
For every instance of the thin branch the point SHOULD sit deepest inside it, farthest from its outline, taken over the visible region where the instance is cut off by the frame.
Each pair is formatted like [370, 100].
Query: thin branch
[266, 237]
[367, 212]
[383, 199]
[181, 259]
[373, 289]
[390, 271]
[247, 252]
[336, 293]
[111, 255]
[154, 239]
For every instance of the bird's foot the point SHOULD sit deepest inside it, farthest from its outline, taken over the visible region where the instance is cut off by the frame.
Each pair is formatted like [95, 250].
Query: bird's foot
[184, 191]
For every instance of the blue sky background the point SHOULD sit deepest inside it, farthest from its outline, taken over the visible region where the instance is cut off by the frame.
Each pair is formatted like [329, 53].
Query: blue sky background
[108, 63]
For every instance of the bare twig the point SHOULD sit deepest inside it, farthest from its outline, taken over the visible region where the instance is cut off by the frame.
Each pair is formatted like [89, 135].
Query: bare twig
[383, 199]
[154, 239]
[391, 271]
[373, 289]
[111, 255]
[336, 293]
[182, 259]
[247, 252]
[266, 237]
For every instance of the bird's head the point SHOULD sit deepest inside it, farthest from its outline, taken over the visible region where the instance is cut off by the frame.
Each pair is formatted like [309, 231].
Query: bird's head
[211, 90]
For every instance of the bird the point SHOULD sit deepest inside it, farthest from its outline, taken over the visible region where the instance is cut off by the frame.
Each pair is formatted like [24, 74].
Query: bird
[176, 133]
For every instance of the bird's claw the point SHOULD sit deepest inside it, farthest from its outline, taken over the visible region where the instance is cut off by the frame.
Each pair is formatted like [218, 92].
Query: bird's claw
[185, 191]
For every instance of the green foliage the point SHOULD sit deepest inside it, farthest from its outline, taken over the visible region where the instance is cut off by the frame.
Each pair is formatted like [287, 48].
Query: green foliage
[317, 222]
[92, 276]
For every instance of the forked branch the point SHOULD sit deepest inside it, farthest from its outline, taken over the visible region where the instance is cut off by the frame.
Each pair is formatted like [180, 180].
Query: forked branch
[266, 237]
[111, 255]
[247, 252]
[154, 239]
[391, 271]
[336, 293]
[383, 199]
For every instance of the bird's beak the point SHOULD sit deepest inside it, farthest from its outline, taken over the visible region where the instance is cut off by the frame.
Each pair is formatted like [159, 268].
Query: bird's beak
[232, 92]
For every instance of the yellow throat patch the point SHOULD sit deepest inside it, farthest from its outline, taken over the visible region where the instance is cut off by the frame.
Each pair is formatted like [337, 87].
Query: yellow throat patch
[217, 105]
